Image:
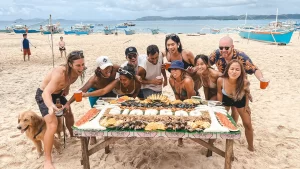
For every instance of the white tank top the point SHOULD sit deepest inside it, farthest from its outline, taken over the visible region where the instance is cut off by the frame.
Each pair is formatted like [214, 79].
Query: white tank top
[152, 71]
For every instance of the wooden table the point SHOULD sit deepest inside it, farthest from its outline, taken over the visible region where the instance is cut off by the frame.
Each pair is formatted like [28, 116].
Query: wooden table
[112, 136]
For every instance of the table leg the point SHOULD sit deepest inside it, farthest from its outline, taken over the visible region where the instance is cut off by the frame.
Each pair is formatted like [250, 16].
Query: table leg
[85, 152]
[209, 152]
[107, 147]
[228, 153]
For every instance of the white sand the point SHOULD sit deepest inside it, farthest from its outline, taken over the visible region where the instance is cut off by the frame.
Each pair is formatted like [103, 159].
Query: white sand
[275, 111]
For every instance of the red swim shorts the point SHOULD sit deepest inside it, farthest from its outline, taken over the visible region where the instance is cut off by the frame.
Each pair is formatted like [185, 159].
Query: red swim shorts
[26, 52]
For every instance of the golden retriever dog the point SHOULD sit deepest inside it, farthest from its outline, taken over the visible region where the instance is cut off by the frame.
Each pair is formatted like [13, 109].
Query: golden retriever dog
[35, 127]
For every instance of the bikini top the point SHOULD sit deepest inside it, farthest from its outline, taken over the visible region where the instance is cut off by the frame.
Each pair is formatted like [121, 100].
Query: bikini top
[120, 92]
[211, 84]
[224, 91]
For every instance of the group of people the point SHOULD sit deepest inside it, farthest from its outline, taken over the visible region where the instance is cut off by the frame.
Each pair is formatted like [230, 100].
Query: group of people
[145, 74]
[25, 47]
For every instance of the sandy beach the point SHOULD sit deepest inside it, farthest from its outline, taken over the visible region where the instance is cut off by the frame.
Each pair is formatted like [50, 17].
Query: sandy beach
[275, 110]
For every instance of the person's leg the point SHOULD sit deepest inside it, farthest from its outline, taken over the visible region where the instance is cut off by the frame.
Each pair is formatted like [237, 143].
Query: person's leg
[28, 57]
[60, 52]
[51, 123]
[69, 117]
[234, 113]
[246, 118]
[65, 53]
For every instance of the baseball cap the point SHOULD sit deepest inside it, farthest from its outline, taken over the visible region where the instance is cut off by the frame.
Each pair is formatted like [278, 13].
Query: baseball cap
[103, 62]
[130, 50]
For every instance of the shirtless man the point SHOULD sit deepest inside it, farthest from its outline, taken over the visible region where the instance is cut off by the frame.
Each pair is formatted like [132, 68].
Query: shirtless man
[62, 46]
[56, 85]
[105, 74]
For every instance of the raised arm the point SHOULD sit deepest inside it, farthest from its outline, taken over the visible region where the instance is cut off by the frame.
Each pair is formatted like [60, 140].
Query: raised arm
[84, 89]
[102, 91]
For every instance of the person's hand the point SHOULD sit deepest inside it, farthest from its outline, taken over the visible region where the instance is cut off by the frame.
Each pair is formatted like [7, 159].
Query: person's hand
[248, 110]
[165, 82]
[163, 66]
[84, 94]
[138, 78]
[67, 107]
[65, 93]
[250, 97]
[52, 109]
[191, 69]
[157, 81]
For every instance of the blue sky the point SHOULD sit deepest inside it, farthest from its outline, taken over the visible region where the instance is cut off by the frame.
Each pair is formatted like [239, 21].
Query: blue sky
[132, 9]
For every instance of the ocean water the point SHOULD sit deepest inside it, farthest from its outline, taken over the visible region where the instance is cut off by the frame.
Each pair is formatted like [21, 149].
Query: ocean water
[172, 26]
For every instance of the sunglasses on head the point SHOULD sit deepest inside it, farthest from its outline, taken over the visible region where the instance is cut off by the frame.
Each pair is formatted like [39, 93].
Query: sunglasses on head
[171, 35]
[124, 72]
[77, 53]
[224, 47]
[132, 55]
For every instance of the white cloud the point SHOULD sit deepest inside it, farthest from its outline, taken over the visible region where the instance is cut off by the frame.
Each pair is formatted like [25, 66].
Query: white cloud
[132, 9]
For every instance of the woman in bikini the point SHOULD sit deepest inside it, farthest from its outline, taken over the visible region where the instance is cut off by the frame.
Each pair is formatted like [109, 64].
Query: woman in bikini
[174, 51]
[208, 77]
[181, 83]
[233, 90]
[127, 85]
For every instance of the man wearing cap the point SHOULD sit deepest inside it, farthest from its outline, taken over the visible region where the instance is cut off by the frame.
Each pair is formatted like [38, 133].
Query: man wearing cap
[105, 73]
[135, 59]
[150, 72]
[104, 76]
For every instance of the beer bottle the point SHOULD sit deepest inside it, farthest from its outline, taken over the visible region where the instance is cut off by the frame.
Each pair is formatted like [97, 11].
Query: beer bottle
[58, 104]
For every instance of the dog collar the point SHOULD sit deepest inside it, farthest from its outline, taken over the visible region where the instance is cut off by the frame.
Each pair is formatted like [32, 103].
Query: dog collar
[40, 130]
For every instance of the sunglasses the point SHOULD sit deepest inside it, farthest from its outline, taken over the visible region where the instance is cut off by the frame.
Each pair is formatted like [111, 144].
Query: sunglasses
[77, 53]
[124, 72]
[171, 35]
[224, 47]
[133, 55]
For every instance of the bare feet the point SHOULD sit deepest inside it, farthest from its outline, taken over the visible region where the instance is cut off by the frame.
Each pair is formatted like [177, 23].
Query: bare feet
[48, 165]
[251, 148]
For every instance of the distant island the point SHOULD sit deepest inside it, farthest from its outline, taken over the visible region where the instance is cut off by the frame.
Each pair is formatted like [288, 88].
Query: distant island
[231, 17]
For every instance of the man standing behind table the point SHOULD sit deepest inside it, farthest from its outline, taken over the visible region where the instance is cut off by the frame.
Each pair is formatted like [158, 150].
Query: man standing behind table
[134, 59]
[150, 72]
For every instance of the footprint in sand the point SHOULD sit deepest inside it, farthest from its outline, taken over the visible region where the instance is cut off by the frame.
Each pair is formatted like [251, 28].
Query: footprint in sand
[14, 136]
[21, 143]
[4, 158]
[280, 127]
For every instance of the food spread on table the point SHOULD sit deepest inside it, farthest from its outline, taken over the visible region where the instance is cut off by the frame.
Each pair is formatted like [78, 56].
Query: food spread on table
[156, 112]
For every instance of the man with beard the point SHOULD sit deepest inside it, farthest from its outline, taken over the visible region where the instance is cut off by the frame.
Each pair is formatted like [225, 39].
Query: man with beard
[150, 72]
[134, 59]
[226, 53]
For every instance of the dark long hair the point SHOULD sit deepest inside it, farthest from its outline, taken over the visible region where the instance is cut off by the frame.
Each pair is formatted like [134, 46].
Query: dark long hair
[128, 68]
[240, 92]
[176, 39]
[75, 55]
[204, 59]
